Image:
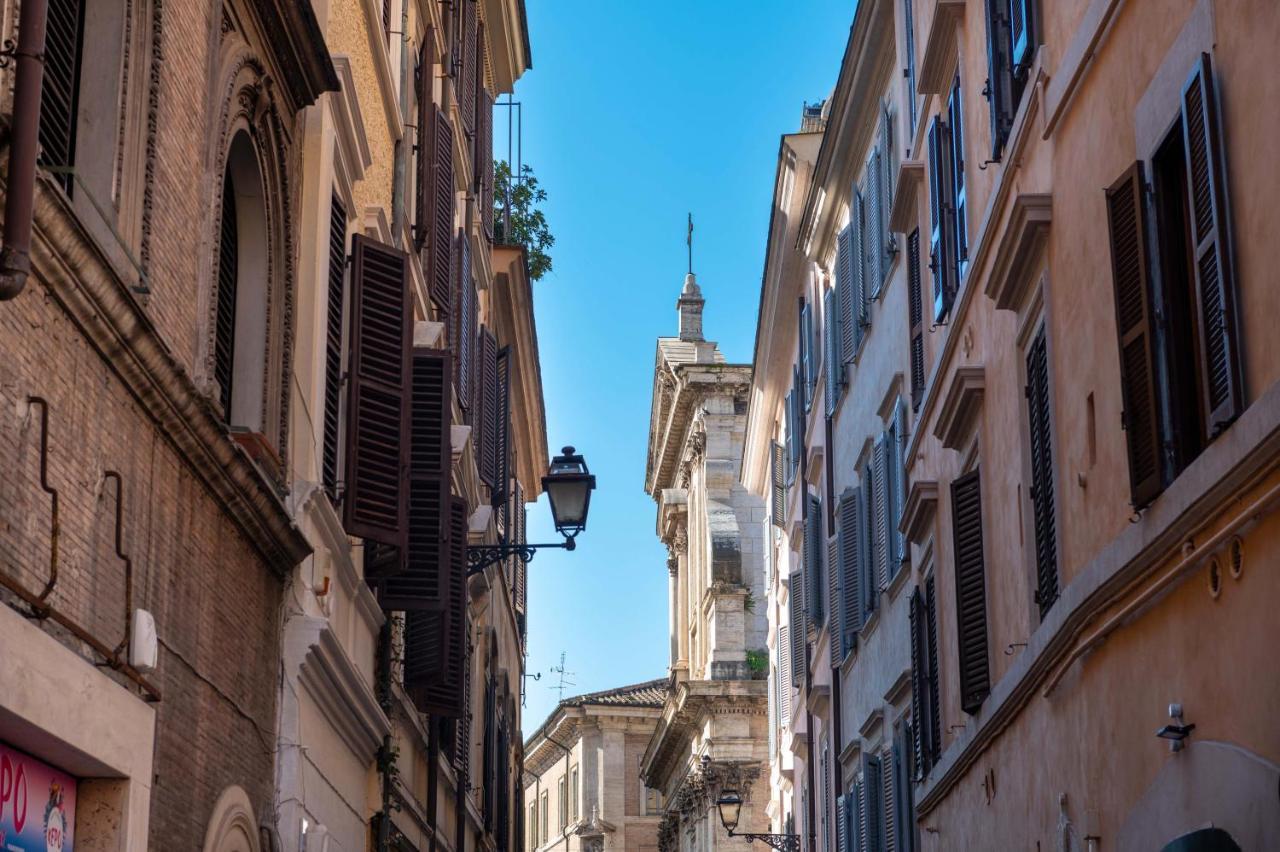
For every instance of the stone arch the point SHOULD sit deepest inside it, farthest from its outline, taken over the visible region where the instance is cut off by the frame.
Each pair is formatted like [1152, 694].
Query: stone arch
[232, 826]
[252, 137]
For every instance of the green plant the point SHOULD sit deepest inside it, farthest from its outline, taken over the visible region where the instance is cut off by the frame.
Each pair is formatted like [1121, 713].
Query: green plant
[758, 663]
[749, 603]
[517, 219]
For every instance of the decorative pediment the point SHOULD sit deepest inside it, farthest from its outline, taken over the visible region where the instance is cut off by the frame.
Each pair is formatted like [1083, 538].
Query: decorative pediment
[906, 190]
[918, 512]
[294, 36]
[1013, 268]
[938, 64]
[959, 414]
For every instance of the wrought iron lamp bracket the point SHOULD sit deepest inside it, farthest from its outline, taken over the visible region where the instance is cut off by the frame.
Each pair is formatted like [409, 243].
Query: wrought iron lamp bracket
[781, 842]
[481, 556]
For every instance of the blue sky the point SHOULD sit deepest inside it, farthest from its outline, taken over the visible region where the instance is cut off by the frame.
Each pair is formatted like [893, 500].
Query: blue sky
[636, 113]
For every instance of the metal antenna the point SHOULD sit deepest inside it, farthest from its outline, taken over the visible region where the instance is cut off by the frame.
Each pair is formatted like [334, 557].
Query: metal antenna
[565, 677]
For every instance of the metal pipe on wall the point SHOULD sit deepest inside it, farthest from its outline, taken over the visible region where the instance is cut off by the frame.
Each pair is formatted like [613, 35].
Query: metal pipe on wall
[24, 129]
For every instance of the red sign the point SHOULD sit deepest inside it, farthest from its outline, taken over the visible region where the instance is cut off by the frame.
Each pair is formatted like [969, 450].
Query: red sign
[37, 805]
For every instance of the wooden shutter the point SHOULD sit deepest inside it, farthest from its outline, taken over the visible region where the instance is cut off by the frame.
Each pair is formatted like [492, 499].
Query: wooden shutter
[850, 522]
[888, 801]
[889, 166]
[795, 609]
[999, 89]
[462, 730]
[915, 319]
[791, 437]
[437, 216]
[487, 406]
[831, 351]
[333, 345]
[808, 368]
[1126, 221]
[467, 76]
[1215, 284]
[463, 329]
[1022, 34]
[435, 644]
[867, 583]
[971, 590]
[845, 288]
[842, 828]
[427, 581]
[898, 484]
[224, 331]
[880, 510]
[959, 203]
[813, 560]
[1042, 475]
[484, 152]
[909, 27]
[784, 674]
[60, 92]
[857, 207]
[778, 485]
[502, 427]
[873, 789]
[902, 819]
[423, 79]
[519, 589]
[874, 228]
[934, 690]
[834, 636]
[919, 677]
[376, 503]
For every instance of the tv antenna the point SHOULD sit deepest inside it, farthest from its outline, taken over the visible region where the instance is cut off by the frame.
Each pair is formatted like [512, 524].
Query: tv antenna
[566, 677]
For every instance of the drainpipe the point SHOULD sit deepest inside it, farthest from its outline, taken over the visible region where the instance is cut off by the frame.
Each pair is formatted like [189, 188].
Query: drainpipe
[15, 255]
[402, 146]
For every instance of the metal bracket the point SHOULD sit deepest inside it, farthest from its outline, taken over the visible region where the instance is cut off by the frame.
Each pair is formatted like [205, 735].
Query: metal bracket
[481, 556]
[781, 842]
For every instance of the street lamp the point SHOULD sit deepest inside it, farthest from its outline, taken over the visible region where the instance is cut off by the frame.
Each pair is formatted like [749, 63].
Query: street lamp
[568, 485]
[730, 805]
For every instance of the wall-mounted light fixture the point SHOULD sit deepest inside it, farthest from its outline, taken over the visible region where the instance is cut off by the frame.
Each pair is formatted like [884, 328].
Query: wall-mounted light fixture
[1176, 732]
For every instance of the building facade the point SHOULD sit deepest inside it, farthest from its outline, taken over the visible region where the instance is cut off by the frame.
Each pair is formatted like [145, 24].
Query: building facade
[711, 733]
[582, 791]
[1028, 245]
[268, 379]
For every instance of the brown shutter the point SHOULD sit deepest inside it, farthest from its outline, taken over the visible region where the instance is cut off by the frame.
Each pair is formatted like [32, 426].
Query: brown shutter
[1126, 221]
[777, 484]
[916, 614]
[934, 690]
[377, 493]
[462, 731]
[224, 331]
[426, 582]
[435, 658]
[502, 429]
[916, 316]
[518, 537]
[439, 222]
[467, 79]
[484, 153]
[971, 590]
[333, 344]
[463, 329]
[426, 142]
[1215, 285]
[60, 92]
[487, 405]
[1042, 478]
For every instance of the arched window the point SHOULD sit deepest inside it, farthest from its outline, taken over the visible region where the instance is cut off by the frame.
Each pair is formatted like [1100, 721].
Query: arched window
[240, 325]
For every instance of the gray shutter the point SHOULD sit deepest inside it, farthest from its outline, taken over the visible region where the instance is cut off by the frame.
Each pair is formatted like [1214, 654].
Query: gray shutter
[899, 481]
[999, 90]
[941, 218]
[881, 545]
[875, 233]
[1214, 279]
[845, 286]
[842, 818]
[778, 483]
[864, 808]
[850, 519]
[795, 609]
[774, 683]
[858, 241]
[831, 352]
[833, 600]
[889, 162]
[808, 364]
[959, 194]
[971, 590]
[813, 548]
[903, 823]
[784, 674]
[915, 318]
[871, 791]
[1042, 478]
[867, 584]
[888, 806]
[790, 436]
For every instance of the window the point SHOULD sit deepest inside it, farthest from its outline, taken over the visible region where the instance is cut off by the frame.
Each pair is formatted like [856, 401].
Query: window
[1040, 432]
[532, 831]
[915, 307]
[849, 534]
[808, 362]
[795, 611]
[61, 91]
[948, 241]
[1175, 303]
[335, 297]
[650, 802]
[813, 548]
[909, 51]
[573, 793]
[971, 590]
[926, 712]
[562, 798]
[546, 815]
[831, 352]
[1011, 45]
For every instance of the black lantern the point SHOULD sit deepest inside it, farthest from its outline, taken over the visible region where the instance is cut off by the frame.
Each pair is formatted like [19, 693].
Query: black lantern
[568, 485]
[730, 805]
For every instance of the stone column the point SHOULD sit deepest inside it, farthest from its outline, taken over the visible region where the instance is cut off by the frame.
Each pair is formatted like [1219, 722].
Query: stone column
[673, 606]
[680, 546]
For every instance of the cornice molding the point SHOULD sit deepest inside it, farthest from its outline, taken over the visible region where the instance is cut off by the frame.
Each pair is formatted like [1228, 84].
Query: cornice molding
[314, 503]
[336, 685]
[1023, 240]
[906, 191]
[918, 512]
[959, 413]
[938, 61]
[293, 37]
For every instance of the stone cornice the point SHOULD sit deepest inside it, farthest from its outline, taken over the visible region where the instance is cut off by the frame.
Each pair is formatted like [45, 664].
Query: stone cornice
[958, 416]
[76, 274]
[311, 500]
[1023, 239]
[292, 36]
[677, 388]
[938, 61]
